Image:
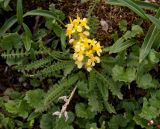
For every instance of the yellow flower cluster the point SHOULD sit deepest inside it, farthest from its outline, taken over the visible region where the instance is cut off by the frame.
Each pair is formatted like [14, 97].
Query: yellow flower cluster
[86, 51]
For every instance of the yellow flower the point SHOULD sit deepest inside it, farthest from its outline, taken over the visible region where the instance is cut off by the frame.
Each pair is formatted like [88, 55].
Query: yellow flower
[79, 64]
[83, 22]
[76, 25]
[89, 69]
[89, 53]
[70, 30]
[86, 51]
[98, 48]
[71, 40]
[86, 33]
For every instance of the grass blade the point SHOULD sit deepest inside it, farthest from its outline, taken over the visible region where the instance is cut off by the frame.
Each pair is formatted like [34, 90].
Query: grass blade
[9, 23]
[6, 3]
[147, 5]
[156, 43]
[150, 38]
[134, 7]
[154, 20]
[141, 4]
[19, 11]
[27, 37]
[44, 13]
[120, 46]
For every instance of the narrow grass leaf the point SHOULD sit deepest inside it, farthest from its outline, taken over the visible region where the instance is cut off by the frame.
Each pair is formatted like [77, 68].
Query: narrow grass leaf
[27, 30]
[154, 20]
[120, 46]
[134, 7]
[19, 11]
[156, 43]
[63, 40]
[44, 13]
[6, 2]
[141, 4]
[27, 37]
[8, 24]
[150, 38]
[147, 5]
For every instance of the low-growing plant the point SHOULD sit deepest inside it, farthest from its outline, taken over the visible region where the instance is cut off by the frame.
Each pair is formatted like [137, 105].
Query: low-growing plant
[113, 87]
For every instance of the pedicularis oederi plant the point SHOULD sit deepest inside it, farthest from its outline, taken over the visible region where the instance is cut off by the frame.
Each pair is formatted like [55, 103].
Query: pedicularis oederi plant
[94, 69]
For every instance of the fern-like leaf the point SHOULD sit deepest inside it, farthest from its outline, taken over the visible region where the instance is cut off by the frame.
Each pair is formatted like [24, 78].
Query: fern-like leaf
[91, 80]
[110, 84]
[57, 90]
[35, 65]
[19, 53]
[15, 54]
[55, 54]
[52, 68]
[94, 25]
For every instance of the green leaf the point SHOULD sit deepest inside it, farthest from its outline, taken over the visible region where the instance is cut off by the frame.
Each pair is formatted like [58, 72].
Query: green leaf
[18, 107]
[57, 89]
[140, 121]
[141, 4]
[115, 88]
[120, 45]
[44, 13]
[147, 5]
[27, 42]
[27, 37]
[35, 98]
[110, 108]
[27, 30]
[23, 109]
[154, 20]
[123, 25]
[57, 29]
[148, 42]
[68, 69]
[134, 7]
[109, 83]
[151, 36]
[8, 123]
[146, 82]
[9, 41]
[149, 112]
[33, 115]
[117, 121]
[13, 94]
[125, 41]
[128, 75]
[91, 126]
[63, 40]
[156, 43]
[129, 105]
[58, 13]
[8, 24]
[19, 11]
[63, 124]
[82, 89]
[47, 121]
[6, 3]
[12, 106]
[83, 111]
[94, 102]
[153, 56]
